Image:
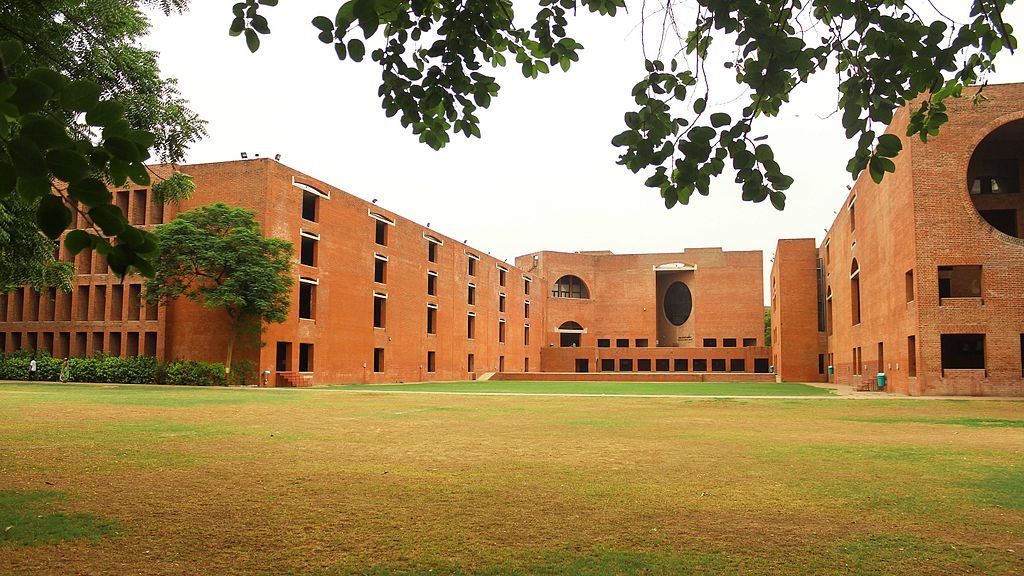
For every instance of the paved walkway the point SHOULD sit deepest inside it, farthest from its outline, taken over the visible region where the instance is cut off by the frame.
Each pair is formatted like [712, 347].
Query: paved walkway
[840, 392]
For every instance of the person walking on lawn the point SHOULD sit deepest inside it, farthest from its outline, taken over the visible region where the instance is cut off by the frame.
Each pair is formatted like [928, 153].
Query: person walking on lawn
[64, 370]
[32, 368]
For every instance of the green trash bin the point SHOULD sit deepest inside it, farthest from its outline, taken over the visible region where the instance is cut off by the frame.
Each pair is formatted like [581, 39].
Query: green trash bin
[831, 370]
[881, 380]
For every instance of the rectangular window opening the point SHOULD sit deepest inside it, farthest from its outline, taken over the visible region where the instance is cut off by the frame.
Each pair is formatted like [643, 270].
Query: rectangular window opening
[431, 361]
[728, 342]
[604, 343]
[622, 342]
[912, 355]
[718, 364]
[471, 326]
[310, 206]
[283, 357]
[138, 216]
[379, 309]
[470, 363]
[307, 300]
[642, 343]
[737, 365]
[501, 302]
[680, 365]
[380, 235]
[661, 365]
[607, 365]
[471, 295]
[378, 360]
[502, 276]
[625, 364]
[431, 319]
[959, 282]
[749, 342]
[963, 351]
[910, 285]
[431, 283]
[501, 331]
[380, 269]
[305, 357]
[710, 342]
[700, 365]
[308, 250]
[643, 365]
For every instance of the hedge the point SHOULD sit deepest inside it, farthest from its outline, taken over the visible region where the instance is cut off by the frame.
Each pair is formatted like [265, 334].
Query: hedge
[119, 370]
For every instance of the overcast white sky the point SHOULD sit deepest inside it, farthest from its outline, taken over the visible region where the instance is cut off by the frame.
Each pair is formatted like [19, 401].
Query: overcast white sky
[543, 177]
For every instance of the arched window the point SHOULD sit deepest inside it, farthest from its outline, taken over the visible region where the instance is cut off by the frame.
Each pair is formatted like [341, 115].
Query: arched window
[855, 292]
[570, 334]
[570, 286]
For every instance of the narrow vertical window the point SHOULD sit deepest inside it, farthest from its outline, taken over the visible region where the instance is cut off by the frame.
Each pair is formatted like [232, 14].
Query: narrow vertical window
[855, 292]
[501, 331]
[502, 276]
[471, 325]
[380, 268]
[431, 319]
[526, 335]
[910, 285]
[912, 355]
[431, 361]
[305, 357]
[378, 359]
[526, 309]
[471, 266]
[501, 302]
[471, 295]
[431, 283]
[308, 248]
[307, 298]
[379, 309]
[526, 285]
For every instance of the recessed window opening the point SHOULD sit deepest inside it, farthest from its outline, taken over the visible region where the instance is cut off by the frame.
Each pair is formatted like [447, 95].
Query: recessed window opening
[308, 249]
[283, 357]
[607, 365]
[379, 309]
[853, 214]
[501, 302]
[959, 281]
[471, 295]
[431, 283]
[963, 351]
[526, 285]
[728, 342]
[700, 365]
[625, 365]
[431, 319]
[604, 343]
[737, 365]
[378, 359]
[661, 365]
[471, 326]
[680, 365]
[570, 334]
[526, 309]
[432, 244]
[570, 286]
[380, 269]
[502, 276]
[380, 233]
[622, 342]
[472, 263]
[718, 364]
[912, 355]
[307, 300]
[501, 331]
[642, 343]
[305, 357]
[310, 206]
[828, 310]
[710, 342]
[855, 292]
[431, 361]
[643, 365]
[749, 342]
[471, 362]
[526, 335]
[909, 281]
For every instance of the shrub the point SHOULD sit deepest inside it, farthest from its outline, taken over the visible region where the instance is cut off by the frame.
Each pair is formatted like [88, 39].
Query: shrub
[192, 373]
[244, 373]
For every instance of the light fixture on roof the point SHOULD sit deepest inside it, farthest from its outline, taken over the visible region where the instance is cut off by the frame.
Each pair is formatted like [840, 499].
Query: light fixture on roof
[374, 200]
[244, 155]
[277, 157]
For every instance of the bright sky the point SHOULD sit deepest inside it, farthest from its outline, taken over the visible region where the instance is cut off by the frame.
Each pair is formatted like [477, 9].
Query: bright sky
[543, 177]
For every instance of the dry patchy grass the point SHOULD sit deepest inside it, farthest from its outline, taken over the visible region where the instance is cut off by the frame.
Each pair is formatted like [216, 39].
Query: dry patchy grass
[196, 481]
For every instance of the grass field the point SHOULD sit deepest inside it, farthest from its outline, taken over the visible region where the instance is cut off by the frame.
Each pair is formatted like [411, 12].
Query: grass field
[148, 480]
[657, 388]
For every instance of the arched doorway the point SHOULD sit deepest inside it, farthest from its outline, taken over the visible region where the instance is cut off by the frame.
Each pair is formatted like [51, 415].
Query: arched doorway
[570, 334]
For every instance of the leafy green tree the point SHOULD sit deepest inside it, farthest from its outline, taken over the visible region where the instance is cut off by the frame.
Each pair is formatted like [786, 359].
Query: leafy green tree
[216, 256]
[90, 46]
[885, 52]
[767, 326]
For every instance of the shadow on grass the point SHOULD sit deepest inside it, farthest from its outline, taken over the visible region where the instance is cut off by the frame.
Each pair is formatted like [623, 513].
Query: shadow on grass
[29, 518]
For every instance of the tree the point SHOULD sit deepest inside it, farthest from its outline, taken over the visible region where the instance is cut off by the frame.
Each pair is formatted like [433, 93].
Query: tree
[91, 49]
[216, 256]
[767, 326]
[886, 54]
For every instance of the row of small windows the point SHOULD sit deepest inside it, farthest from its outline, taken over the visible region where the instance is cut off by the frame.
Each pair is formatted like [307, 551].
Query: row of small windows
[60, 344]
[283, 357]
[672, 365]
[431, 365]
[957, 352]
[707, 342]
[86, 302]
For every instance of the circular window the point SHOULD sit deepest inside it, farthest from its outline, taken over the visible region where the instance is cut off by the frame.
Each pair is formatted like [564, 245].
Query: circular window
[678, 303]
[994, 176]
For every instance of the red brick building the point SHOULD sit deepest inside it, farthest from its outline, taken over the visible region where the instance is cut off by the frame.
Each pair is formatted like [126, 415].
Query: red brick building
[921, 277]
[379, 298]
[699, 310]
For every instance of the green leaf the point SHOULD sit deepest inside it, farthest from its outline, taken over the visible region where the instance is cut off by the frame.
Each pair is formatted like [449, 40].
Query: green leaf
[366, 12]
[90, 191]
[31, 188]
[52, 216]
[122, 148]
[76, 241]
[29, 95]
[259, 24]
[252, 40]
[699, 104]
[889, 145]
[144, 138]
[109, 218]
[356, 49]
[67, 165]
[55, 80]
[323, 23]
[45, 132]
[105, 113]
[80, 95]
[719, 119]
[28, 160]
[11, 50]
[340, 50]
[138, 173]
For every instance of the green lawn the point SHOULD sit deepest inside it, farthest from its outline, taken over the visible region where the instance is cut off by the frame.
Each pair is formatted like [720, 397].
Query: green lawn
[656, 388]
[161, 480]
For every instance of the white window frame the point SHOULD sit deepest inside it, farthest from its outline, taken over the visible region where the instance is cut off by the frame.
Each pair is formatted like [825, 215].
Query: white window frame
[310, 188]
[381, 217]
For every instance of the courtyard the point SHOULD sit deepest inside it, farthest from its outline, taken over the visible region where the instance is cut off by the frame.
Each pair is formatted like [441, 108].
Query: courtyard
[161, 480]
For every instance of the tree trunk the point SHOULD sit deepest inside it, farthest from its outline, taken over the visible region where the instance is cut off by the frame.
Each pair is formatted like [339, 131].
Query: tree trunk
[231, 350]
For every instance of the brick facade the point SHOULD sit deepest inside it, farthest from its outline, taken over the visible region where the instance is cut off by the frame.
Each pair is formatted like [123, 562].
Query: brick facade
[928, 266]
